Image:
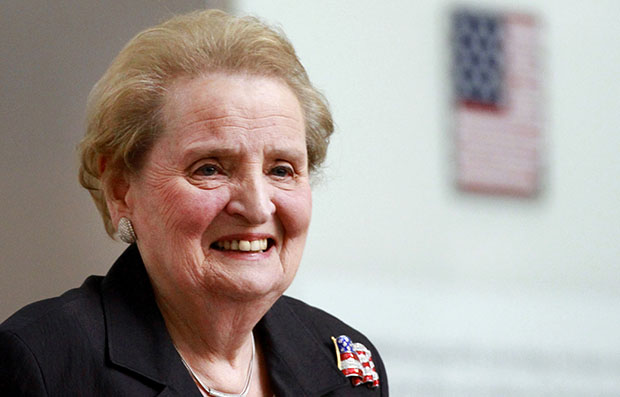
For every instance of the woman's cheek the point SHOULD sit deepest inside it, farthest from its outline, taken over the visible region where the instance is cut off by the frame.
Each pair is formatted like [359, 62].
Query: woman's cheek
[190, 210]
[202, 208]
[294, 209]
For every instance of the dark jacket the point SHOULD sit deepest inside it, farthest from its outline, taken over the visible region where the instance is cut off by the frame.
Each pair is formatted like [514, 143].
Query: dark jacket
[108, 338]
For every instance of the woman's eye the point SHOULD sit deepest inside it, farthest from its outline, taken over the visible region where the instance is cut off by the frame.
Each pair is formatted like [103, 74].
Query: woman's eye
[282, 171]
[207, 170]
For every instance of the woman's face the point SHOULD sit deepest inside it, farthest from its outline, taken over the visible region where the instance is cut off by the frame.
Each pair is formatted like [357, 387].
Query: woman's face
[223, 202]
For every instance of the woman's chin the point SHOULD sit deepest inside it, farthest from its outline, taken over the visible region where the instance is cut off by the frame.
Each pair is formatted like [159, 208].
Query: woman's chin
[246, 277]
[249, 286]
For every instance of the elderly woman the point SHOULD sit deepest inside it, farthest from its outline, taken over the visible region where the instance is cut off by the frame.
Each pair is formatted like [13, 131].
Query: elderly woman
[202, 137]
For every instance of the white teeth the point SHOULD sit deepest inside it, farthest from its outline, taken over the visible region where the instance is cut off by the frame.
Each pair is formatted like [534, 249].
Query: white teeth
[243, 245]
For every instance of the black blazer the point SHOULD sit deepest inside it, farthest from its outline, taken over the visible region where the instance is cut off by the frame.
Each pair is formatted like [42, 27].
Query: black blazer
[108, 338]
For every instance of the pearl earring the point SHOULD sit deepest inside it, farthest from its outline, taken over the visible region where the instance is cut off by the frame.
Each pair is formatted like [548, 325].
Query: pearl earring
[125, 231]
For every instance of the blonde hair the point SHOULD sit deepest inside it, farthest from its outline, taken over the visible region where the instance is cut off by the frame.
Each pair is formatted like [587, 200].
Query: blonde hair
[123, 110]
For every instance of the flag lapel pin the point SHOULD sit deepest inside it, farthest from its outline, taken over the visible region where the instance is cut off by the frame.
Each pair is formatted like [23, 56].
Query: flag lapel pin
[354, 360]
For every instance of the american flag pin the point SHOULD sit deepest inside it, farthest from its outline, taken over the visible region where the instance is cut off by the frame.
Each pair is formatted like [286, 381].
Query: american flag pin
[354, 360]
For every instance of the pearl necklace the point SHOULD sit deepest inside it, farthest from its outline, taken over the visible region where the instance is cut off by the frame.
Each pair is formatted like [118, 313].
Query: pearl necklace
[216, 393]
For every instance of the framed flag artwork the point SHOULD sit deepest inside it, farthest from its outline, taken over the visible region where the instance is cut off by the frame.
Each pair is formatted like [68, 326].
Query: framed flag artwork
[497, 102]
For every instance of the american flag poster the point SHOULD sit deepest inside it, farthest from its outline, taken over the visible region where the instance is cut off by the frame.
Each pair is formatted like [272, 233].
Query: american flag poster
[497, 106]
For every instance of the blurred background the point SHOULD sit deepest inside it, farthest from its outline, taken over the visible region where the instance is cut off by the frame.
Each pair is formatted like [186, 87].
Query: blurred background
[464, 294]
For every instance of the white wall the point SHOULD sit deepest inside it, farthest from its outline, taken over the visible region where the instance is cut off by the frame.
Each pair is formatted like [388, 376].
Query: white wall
[461, 282]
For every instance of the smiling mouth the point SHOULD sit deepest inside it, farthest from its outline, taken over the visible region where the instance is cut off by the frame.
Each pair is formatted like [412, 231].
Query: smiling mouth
[260, 245]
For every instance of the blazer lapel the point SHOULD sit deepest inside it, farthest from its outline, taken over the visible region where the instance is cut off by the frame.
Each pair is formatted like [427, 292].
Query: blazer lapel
[137, 339]
[299, 364]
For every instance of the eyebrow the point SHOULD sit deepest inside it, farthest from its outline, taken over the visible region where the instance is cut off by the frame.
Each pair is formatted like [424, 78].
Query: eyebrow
[288, 153]
[210, 150]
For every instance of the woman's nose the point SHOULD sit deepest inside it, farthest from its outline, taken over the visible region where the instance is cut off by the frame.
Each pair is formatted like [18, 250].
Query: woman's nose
[251, 200]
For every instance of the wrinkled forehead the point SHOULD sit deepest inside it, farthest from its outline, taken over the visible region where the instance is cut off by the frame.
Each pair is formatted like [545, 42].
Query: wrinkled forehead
[218, 98]
[231, 112]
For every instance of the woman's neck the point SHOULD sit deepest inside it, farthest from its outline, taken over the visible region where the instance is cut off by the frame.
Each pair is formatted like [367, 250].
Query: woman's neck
[213, 334]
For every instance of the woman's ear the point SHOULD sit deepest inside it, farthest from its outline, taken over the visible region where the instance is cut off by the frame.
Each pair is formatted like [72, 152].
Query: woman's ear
[115, 184]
